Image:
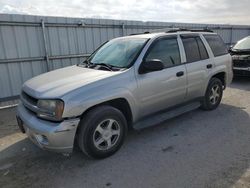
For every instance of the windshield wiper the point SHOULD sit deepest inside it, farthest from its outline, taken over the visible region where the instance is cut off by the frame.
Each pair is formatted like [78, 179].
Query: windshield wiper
[110, 67]
[89, 64]
[86, 62]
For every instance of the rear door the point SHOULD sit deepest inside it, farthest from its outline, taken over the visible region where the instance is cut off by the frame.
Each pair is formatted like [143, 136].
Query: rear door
[222, 59]
[198, 65]
[162, 89]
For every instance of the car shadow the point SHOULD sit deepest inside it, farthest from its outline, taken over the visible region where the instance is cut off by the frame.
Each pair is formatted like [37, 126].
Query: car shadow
[8, 124]
[242, 83]
[190, 139]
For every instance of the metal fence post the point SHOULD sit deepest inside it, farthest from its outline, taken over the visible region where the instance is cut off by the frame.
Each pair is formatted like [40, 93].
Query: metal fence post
[45, 45]
[231, 36]
[123, 29]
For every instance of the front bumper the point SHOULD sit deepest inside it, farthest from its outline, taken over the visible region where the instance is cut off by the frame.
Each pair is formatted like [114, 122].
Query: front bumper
[241, 65]
[241, 71]
[52, 136]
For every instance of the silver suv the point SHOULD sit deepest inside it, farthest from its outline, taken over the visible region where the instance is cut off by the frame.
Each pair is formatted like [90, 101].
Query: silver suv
[134, 81]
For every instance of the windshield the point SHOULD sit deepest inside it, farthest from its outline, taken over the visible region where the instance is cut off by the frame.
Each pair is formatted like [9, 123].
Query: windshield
[119, 52]
[243, 44]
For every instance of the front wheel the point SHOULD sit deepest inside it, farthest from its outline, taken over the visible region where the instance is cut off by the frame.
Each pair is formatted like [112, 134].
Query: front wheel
[102, 132]
[213, 95]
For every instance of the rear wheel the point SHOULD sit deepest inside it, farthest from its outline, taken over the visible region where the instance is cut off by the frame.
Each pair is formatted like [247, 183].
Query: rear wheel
[102, 132]
[213, 95]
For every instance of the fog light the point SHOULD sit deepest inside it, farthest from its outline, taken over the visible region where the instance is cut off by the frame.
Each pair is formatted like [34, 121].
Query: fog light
[42, 139]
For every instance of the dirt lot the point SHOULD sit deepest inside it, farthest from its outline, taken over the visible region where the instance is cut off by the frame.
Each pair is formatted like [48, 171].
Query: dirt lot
[198, 149]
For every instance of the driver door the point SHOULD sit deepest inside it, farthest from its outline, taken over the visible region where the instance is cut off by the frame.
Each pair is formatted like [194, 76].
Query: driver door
[160, 90]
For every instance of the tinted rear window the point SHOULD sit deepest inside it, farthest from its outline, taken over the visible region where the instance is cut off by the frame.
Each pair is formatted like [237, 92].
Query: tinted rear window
[194, 48]
[202, 49]
[216, 44]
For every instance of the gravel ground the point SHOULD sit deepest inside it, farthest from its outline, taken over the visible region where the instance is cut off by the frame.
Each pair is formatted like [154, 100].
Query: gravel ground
[198, 149]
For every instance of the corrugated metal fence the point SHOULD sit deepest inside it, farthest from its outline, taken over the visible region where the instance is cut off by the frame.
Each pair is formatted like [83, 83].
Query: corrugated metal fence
[31, 45]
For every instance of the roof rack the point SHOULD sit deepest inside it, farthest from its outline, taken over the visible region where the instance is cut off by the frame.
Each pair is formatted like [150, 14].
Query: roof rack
[191, 30]
[156, 31]
[173, 30]
[146, 32]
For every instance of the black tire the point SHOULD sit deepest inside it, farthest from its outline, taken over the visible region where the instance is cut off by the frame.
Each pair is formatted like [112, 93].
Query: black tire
[88, 130]
[208, 103]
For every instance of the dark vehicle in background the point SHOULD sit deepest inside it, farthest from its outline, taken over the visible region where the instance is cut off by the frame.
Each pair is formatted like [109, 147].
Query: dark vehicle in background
[241, 57]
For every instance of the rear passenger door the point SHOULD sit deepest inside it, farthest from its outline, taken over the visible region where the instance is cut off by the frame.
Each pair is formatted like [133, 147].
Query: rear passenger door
[198, 65]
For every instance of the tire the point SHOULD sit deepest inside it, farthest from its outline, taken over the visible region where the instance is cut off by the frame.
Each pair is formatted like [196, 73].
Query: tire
[213, 95]
[102, 132]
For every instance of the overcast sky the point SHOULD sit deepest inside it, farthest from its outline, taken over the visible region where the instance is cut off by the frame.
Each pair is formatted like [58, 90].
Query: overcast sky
[196, 11]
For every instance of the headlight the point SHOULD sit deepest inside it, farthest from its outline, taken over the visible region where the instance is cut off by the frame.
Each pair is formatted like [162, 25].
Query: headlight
[50, 109]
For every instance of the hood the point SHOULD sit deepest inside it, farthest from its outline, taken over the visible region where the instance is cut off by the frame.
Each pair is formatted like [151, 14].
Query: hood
[57, 83]
[240, 52]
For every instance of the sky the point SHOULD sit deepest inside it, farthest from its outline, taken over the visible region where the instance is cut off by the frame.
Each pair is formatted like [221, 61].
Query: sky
[190, 11]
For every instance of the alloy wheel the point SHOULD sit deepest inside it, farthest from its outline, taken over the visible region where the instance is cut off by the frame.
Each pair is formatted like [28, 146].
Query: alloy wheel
[106, 134]
[214, 94]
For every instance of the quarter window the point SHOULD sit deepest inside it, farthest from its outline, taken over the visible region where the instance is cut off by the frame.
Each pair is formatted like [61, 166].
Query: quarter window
[166, 50]
[216, 44]
[194, 48]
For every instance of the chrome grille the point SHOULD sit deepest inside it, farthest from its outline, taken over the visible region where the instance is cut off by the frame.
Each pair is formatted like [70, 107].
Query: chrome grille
[241, 63]
[29, 102]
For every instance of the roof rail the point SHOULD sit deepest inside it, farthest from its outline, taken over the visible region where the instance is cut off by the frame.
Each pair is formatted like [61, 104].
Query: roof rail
[191, 30]
[165, 29]
[173, 30]
[146, 32]
[162, 30]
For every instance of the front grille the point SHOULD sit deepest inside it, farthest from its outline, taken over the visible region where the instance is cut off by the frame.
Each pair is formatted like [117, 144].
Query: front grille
[241, 63]
[29, 102]
[30, 99]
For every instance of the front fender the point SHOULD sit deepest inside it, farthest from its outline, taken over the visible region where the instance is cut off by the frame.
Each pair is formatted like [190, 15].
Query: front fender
[76, 105]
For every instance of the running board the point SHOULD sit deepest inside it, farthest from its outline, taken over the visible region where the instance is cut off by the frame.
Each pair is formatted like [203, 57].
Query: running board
[161, 117]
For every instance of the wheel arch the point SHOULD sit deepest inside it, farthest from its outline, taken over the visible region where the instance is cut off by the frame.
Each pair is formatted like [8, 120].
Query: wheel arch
[222, 77]
[119, 103]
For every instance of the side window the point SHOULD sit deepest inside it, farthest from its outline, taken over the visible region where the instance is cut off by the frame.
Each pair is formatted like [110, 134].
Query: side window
[166, 50]
[202, 49]
[194, 48]
[191, 49]
[216, 44]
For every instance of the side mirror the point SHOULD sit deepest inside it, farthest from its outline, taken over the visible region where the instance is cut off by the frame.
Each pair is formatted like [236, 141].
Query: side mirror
[230, 48]
[151, 66]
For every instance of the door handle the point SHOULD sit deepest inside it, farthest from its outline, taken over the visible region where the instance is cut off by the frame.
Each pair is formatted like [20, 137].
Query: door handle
[209, 66]
[179, 74]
